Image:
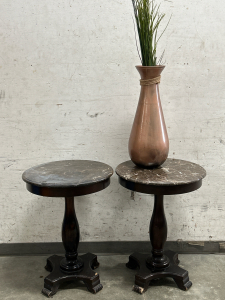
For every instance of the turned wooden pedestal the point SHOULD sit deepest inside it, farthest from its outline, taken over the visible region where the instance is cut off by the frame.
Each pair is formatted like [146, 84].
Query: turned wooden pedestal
[173, 177]
[68, 179]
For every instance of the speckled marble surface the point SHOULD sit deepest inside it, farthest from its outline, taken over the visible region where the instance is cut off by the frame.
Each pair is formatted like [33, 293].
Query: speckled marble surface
[67, 173]
[171, 172]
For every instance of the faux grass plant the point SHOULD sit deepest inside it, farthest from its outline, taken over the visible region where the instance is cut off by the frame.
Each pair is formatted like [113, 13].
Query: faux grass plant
[148, 19]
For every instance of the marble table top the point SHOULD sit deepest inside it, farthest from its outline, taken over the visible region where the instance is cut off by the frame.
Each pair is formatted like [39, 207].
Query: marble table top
[67, 173]
[171, 172]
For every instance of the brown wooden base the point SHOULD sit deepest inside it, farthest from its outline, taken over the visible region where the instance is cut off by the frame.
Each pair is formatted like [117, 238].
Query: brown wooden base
[58, 276]
[146, 274]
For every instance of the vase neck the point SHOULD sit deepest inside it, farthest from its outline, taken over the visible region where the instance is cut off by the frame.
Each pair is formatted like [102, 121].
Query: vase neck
[149, 72]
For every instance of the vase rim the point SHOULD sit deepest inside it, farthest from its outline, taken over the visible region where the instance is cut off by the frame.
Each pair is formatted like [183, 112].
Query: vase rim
[157, 66]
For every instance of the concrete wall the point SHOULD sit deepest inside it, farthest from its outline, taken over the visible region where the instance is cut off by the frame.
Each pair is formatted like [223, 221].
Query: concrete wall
[69, 90]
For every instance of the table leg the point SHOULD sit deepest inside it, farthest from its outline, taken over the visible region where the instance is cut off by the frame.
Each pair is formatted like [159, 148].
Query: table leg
[159, 264]
[72, 266]
[158, 235]
[70, 238]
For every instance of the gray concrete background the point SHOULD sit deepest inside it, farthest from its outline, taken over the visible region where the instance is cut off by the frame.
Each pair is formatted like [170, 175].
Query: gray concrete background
[69, 90]
[22, 278]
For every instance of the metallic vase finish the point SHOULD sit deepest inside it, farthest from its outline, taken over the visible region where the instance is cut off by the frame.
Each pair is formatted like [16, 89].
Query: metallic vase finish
[148, 143]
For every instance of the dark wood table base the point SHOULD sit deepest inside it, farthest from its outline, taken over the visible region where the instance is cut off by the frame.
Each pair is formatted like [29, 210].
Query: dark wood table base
[69, 179]
[173, 177]
[57, 276]
[146, 273]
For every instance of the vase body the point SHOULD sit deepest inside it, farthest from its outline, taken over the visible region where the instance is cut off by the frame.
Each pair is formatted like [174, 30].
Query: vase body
[148, 143]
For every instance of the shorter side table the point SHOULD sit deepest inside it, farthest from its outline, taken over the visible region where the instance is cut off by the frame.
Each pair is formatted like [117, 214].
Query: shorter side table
[67, 179]
[173, 177]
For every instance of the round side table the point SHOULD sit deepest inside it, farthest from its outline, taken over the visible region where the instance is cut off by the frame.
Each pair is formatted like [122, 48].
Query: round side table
[173, 177]
[68, 179]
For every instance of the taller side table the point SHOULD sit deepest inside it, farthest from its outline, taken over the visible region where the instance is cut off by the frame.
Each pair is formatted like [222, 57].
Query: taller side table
[173, 177]
[68, 179]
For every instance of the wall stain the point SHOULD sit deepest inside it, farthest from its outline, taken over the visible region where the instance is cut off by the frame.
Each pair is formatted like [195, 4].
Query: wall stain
[201, 244]
[2, 94]
[222, 141]
[204, 208]
[94, 115]
[222, 245]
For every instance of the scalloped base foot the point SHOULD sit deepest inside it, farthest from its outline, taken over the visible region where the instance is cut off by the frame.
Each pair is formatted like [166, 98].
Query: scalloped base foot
[58, 276]
[145, 275]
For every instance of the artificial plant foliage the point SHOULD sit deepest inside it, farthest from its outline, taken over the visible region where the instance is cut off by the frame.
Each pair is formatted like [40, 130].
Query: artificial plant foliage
[148, 19]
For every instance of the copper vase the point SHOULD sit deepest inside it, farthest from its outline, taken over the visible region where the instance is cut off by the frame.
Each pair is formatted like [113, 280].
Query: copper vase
[148, 143]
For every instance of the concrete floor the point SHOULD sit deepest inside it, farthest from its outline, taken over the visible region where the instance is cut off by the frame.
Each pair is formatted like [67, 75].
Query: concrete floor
[21, 278]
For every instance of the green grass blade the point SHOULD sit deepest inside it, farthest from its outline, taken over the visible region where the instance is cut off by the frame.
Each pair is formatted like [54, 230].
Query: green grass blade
[148, 19]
